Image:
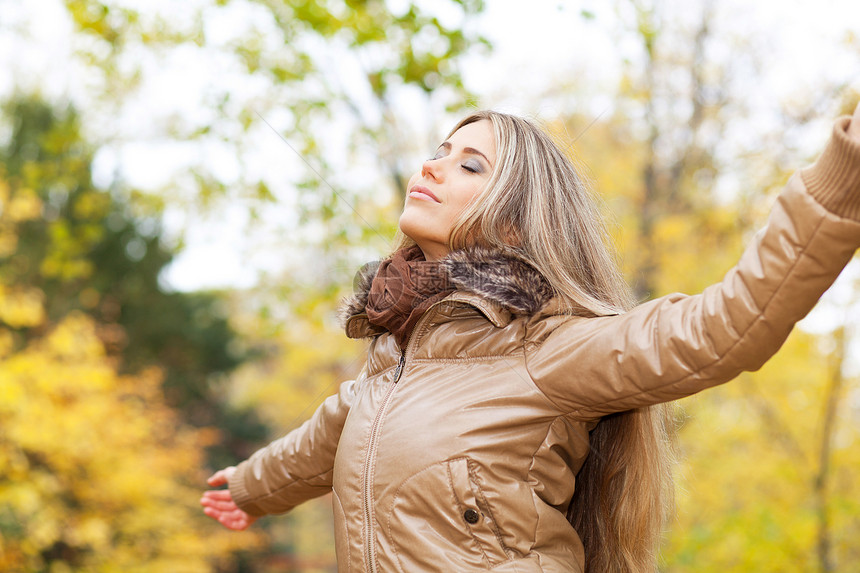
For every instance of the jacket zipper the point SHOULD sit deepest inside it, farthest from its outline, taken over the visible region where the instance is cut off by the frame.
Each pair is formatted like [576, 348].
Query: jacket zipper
[368, 460]
[370, 552]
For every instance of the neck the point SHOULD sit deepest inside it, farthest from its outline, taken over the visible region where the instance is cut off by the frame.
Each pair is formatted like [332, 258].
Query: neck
[434, 252]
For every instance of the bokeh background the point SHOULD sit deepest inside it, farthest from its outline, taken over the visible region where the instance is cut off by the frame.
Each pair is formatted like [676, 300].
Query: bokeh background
[186, 189]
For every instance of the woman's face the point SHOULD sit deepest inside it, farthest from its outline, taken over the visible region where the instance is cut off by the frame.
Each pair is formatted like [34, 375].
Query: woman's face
[446, 184]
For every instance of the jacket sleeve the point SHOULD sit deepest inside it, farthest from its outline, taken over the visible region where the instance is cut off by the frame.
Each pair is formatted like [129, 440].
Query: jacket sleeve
[677, 345]
[297, 467]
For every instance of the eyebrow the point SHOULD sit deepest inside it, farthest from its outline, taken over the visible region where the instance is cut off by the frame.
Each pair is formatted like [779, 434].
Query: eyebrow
[470, 150]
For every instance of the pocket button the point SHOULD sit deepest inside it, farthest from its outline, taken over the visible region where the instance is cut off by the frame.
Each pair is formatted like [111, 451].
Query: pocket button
[471, 516]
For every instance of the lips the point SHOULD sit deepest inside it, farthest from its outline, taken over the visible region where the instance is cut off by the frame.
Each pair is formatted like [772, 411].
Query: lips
[421, 192]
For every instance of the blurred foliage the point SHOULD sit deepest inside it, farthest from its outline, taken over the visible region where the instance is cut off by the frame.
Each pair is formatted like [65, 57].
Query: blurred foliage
[752, 464]
[414, 47]
[76, 247]
[320, 68]
[92, 346]
[97, 473]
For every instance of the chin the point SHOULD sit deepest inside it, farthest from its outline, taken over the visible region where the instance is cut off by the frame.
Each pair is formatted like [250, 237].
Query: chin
[411, 225]
[416, 229]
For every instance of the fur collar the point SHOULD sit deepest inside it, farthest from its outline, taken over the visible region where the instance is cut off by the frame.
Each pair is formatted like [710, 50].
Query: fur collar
[501, 276]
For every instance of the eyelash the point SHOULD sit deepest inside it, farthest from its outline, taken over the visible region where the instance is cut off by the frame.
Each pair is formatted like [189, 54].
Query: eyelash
[462, 166]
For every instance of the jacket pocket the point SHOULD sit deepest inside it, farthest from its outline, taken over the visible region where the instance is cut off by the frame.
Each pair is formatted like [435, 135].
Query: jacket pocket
[440, 521]
[474, 510]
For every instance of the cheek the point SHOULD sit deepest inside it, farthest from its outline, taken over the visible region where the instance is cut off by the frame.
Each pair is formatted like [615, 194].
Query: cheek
[468, 195]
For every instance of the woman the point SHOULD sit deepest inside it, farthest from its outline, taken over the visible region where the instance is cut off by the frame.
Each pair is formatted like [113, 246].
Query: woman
[510, 416]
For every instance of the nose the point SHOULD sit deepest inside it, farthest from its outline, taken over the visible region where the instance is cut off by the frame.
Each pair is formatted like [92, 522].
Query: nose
[431, 168]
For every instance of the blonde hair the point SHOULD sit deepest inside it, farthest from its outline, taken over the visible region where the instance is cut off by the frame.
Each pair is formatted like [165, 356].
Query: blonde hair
[536, 203]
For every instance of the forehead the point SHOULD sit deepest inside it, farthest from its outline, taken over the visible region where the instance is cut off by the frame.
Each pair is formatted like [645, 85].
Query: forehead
[478, 135]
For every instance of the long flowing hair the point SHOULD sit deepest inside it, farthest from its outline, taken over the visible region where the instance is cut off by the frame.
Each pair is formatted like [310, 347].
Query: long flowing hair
[536, 202]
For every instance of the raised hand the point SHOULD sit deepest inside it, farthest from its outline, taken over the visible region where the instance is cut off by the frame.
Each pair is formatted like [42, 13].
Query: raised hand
[854, 126]
[219, 505]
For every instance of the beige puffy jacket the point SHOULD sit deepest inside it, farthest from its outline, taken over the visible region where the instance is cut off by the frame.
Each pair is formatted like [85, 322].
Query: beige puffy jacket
[459, 453]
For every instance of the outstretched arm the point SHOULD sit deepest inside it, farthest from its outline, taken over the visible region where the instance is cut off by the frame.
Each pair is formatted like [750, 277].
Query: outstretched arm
[677, 345]
[292, 469]
[219, 505]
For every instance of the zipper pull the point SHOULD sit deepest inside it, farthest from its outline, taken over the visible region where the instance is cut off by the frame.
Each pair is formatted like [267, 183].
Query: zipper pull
[399, 370]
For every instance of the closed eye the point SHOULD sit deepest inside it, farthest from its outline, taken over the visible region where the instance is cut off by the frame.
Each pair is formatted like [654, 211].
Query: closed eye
[472, 167]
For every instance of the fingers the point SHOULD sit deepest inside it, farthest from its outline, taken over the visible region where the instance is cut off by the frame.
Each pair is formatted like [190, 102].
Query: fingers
[221, 477]
[219, 505]
[218, 494]
[220, 502]
[237, 522]
[236, 519]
